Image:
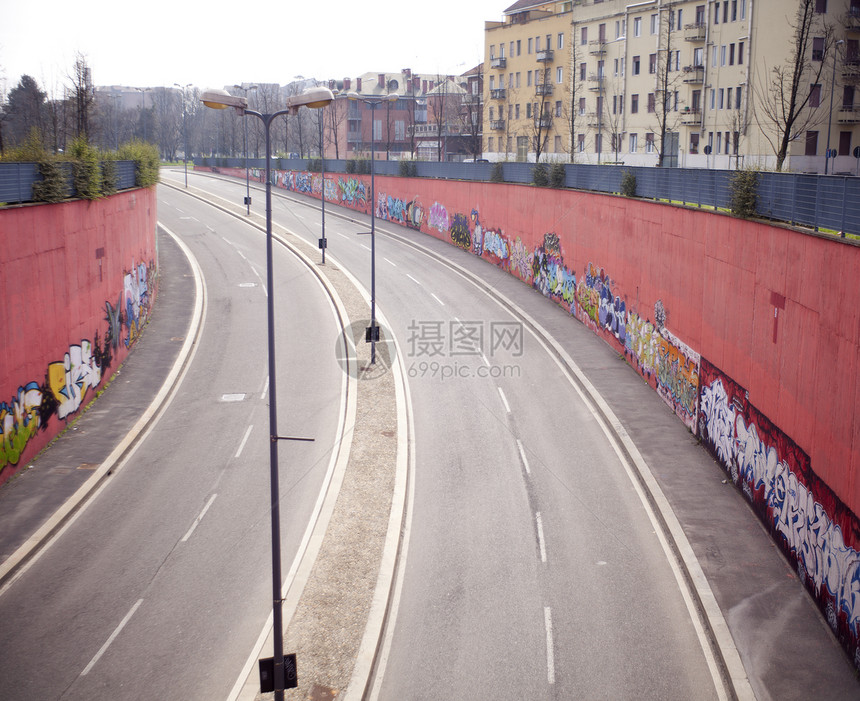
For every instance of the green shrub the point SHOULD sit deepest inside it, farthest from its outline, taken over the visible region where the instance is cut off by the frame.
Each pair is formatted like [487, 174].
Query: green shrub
[350, 166]
[628, 184]
[109, 176]
[145, 157]
[497, 174]
[315, 165]
[53, 186]
[86, 169]
[556, 174]
[408, 169]
[744, 192]
[540, 175]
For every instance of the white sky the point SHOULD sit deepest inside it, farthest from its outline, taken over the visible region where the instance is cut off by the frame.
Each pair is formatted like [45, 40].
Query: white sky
[152, 43]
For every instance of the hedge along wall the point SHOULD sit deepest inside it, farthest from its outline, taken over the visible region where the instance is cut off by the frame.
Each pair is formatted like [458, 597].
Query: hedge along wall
[77, 280]
[750, 332]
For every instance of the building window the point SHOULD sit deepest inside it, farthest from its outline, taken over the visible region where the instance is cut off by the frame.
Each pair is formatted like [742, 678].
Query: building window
[716, 13]
[649, 142]
[723, 55]
[818, 48]
[651, 102]
[560, 43]
[559, 75]
[518, 79]
[512, 49]
[728, 98]
[727, 143]
[557, 144]
[719, 142]
[812, 143]
[821, 6]
[558, 108]
[734, 10]
[731, 54]
[652, 63]
[635, 65]
[844, 143]
[580, 143]
[583, 36]
[738, 97]
[530, 44]
[694, 143]
[815, 95]
[736, 142]
[655, 23]
[517, 111]
[492, 51]
[490, 143]
[637, 26]
[582, 72]
[720, 99]
[634, 104]
[713, 98]
[528, 110]
[581, 105]
[633, 142]
[598, 142]
[519, 47]
[399, 130]
[740, 53]
[529, 78]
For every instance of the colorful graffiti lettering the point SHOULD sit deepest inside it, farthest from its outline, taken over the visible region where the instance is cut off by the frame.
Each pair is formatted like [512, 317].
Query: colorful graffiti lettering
[521, 259]
[414, 214]
[19, 422]
[353, 192]
[678, 377]
[439, 217]
[477, 234]
[459, 230]
[68, 382]
[640, 344]
[775, 475]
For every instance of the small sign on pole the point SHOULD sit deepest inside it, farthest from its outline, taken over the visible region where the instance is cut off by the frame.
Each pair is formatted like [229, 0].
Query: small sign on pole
[267, 673]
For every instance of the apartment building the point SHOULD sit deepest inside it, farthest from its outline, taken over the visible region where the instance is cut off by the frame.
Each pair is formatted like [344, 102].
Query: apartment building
[688, 83]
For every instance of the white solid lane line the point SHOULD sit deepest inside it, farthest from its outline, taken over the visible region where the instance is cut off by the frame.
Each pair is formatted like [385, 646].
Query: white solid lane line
[504, 400]
[244, 440]
[550, 655]
[112, 637]
[198, 519]
[541, 541]
[523, 456]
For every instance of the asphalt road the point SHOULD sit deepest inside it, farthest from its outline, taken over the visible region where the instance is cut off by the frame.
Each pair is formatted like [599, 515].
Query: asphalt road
[533, 570]
[159, 588]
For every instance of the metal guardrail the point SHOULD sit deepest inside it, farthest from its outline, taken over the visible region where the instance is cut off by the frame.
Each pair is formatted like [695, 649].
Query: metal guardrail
[16, 180]
[829, 202]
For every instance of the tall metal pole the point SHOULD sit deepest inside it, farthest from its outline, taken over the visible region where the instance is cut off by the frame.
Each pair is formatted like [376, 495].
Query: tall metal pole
[322, 166]
[373, 327]
[247, 171]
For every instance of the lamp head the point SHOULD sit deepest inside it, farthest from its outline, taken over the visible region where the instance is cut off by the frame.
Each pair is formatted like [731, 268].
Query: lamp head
[221, 99]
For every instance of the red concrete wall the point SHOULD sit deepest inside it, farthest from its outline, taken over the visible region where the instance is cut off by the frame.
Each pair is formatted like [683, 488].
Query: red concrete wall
[77, 282]
[750, 332]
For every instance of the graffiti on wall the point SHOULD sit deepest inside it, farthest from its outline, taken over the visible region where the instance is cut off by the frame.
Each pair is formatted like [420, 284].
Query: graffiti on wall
[71, 381]
[409, 214]
[459, 231]
[352, 192]
[816, 531]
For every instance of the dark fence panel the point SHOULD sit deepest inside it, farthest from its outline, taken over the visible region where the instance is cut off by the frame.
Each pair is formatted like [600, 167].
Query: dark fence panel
[819, 201]
[16, 179]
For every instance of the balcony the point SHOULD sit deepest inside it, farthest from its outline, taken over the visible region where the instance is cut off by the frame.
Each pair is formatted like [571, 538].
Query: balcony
[691, 116]
[694, 74]
[545, 55]
[596, 81]
[851, 69]
[543, 122]
[695, 32]
[497, 124]
[498, 62]
[596, 47]
[851, 19]
[497, 94]
[849, 114]
[543, 89]
[593, 120]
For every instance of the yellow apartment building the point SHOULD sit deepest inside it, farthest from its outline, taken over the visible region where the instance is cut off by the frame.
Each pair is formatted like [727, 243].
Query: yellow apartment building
[689, 83]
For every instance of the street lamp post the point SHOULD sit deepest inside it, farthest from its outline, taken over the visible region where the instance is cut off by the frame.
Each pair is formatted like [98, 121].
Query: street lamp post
[184, 132]
[372, 334]
[245, 147]
[314, 98]
[830, 115]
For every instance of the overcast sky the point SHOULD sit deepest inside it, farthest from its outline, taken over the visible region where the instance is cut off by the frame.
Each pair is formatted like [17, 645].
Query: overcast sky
[153, 43]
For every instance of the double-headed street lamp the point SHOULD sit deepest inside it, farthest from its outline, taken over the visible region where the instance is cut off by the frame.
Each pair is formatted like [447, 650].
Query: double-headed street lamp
[313, 98]
[245, 145]
[372, 333]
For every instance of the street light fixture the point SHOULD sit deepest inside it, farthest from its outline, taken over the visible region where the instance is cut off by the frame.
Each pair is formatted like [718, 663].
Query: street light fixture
[313, 98]
[372, 333]
[184, 132]
[830, 115]
[245, 145]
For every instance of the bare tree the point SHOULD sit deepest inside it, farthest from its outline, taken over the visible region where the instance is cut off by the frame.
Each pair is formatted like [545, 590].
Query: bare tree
[82, 94]
[335, 115]
[570, 107]
[784, 94]
[540, 122]
[471, 113]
